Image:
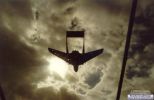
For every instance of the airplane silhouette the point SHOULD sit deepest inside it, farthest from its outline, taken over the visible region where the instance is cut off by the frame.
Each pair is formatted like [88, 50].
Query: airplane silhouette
[75, 58]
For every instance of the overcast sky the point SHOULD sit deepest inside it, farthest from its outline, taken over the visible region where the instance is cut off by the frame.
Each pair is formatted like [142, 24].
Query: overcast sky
[25, 60]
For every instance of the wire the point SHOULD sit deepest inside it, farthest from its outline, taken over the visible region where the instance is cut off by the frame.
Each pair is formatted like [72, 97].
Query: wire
[2, 96]
[128, 39]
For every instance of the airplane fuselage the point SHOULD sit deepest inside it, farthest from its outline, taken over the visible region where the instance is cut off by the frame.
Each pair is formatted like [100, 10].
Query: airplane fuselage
[74, 59]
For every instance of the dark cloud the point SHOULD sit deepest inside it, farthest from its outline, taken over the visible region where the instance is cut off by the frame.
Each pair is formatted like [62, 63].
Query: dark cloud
[138, 71]
[18, 63]
[15, 54]
[93, 78]
[70, 10]
[112, 6]
[16, 8]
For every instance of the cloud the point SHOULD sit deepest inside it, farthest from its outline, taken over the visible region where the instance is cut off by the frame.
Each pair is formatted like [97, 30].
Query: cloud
[50, 93]
[93, 78]
[17, 8]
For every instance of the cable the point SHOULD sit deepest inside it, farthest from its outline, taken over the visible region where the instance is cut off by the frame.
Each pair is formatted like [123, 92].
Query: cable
[2, 96]
[128, 39]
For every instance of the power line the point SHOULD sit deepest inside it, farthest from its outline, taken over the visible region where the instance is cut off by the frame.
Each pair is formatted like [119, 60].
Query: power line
[128, 39]
[2, 96]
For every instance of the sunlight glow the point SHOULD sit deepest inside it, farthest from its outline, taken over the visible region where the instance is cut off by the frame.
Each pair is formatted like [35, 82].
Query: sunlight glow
[58, 65]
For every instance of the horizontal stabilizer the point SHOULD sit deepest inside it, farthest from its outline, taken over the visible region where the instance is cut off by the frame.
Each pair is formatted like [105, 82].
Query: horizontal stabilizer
[75, 34]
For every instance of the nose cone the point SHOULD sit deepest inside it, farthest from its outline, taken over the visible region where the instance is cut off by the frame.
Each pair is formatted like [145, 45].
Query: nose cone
[75, 68]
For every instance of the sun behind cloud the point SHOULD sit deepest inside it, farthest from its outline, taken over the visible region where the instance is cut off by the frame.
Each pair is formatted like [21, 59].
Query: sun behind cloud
[57, 65]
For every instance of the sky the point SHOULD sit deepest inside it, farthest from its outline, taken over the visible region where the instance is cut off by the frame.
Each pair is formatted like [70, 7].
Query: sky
[29, 72]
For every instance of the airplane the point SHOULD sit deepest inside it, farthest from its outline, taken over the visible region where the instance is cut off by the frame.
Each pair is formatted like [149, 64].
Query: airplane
[75, 58]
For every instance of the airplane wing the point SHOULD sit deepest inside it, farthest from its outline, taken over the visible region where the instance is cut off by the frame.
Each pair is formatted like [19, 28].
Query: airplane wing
[59, 54]
[88, 56]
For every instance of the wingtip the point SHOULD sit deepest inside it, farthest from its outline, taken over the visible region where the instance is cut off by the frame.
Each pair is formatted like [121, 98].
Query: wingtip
[102, 50]
[49, 49]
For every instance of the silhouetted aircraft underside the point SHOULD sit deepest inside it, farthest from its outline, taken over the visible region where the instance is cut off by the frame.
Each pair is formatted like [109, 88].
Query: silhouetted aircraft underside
[75, 58]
